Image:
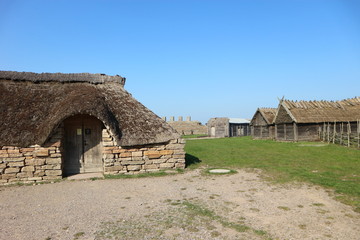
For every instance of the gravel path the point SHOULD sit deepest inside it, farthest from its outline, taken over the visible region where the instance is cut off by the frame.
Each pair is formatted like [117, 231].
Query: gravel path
[182, 206]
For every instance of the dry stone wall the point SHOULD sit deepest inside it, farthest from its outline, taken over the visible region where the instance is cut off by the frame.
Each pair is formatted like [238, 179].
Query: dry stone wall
[141, 159]
[45, 163]
[32, 164]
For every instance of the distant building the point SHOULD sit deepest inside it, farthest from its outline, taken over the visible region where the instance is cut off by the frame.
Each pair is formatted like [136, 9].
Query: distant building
[187, 127]
[309, 120]
[228, 127]
[262, 124]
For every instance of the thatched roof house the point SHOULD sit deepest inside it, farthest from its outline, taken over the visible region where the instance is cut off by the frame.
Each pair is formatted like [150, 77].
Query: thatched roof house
[35, 106]
[302, 120]
[262, 123]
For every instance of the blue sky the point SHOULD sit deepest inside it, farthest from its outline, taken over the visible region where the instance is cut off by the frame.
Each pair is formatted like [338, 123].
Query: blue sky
[199, 58]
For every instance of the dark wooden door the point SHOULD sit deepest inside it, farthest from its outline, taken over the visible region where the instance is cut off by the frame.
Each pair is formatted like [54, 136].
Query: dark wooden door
[82, 145]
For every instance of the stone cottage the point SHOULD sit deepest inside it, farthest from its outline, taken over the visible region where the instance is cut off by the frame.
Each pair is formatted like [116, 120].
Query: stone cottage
[54, 125]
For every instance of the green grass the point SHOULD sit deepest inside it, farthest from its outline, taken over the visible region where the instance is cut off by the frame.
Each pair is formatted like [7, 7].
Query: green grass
[330, 166]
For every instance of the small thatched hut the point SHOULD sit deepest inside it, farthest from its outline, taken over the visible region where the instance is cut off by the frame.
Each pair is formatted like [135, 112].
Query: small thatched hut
[54, 125]
[305, 120]
[262, 124]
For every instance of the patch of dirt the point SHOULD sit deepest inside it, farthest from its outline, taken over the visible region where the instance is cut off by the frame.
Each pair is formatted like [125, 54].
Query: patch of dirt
[182, 206]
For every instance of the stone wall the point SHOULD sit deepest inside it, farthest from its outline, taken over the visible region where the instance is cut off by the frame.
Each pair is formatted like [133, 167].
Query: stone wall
[32, 164]
[141, 159]
[187, 127]
[45, 163]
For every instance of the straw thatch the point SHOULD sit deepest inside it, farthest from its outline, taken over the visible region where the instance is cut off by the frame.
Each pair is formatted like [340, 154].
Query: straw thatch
[267, 114]
[33, 105]
[320, 111]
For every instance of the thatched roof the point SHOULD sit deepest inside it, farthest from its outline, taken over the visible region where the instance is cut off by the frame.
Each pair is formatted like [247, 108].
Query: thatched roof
[33, 105]
[268, 114]
[322, 111]
[61, 77]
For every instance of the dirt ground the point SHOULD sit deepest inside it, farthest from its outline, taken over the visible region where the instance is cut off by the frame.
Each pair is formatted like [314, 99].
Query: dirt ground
[182, 206]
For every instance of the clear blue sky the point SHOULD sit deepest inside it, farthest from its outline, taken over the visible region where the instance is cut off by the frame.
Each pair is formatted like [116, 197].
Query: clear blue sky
[199, 58]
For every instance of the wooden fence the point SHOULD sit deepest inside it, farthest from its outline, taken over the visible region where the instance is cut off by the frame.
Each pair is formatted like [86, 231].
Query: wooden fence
[343, 133]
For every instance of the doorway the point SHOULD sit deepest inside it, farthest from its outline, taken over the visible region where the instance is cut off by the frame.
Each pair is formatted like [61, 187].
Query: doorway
[82, 145]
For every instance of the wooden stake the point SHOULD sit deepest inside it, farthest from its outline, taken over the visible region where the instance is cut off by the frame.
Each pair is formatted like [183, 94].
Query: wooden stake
[348, 133]
[334, 133]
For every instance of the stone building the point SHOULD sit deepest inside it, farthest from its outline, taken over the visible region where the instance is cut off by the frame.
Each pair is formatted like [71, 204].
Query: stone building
[187, 127]
[262, 124]
[228, 127]
[54, 125]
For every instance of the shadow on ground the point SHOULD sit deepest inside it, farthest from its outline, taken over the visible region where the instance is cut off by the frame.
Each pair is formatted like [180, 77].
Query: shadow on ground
[190, 160]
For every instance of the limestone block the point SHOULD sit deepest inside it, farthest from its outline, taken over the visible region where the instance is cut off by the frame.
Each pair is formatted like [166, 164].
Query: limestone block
[137, 154]
[132, 162]
[35, 178]
[146, 153]
[11, 170]
[17, 159]
[179, 156]
[111, 148]
[152, 166]
[41, 153]
[39, 173]
[159, 160]
[166, 165]
[16, 164]
[133, 167]
[125, 154]
[3, 151]
[53, 160]
[108, 164]
[13, 151]
[174, 146]
[53, 172]
[24, 175]
[39, 161]
[180, 165]
[28, 169]
[119, 150]
[172, 160]
[14, 155]
[56, 166]
[4, 155]
[113, 168]
[166, 152]
[55, 155]
[108, 156]
[7, 176]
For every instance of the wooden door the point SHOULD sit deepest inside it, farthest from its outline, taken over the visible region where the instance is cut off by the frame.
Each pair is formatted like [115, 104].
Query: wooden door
[82, 145]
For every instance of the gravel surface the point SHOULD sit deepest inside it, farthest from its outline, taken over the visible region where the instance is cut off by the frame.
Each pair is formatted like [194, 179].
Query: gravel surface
[182, 206]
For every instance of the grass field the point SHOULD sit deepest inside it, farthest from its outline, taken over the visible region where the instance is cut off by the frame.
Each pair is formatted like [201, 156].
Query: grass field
[330, 166]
